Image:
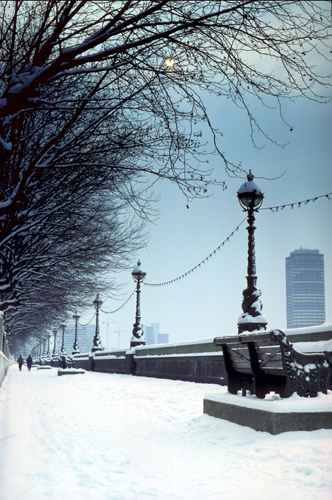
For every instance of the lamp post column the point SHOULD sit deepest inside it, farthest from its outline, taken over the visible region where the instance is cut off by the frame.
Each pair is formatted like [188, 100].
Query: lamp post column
[137, 330]
[43, 351]
[252, 277]
[76, 347]
[63, 346]
[54, 353]
[96, 346]
[48, 354]
[252, 320]
[40, 352]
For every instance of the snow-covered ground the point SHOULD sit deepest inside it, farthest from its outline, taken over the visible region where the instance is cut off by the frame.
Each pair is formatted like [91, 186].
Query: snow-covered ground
[100, 436]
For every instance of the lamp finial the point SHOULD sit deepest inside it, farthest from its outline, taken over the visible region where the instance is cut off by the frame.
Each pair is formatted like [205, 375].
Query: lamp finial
[250, 176]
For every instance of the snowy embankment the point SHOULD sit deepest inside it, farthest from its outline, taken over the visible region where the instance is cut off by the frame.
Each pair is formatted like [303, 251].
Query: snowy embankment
[101, 436]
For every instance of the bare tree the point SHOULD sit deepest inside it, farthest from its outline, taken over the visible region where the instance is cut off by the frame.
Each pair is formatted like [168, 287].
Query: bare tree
[95, 77]
[97, 94]
[57, 272]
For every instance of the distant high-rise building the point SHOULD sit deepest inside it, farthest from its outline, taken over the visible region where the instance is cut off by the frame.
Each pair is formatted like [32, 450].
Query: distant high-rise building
[152, 335]
[162, 338]
[305, 291]
[149, 335]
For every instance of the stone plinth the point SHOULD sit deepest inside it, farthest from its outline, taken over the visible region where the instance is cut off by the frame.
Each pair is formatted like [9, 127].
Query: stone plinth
[272, 414]
[70, 371]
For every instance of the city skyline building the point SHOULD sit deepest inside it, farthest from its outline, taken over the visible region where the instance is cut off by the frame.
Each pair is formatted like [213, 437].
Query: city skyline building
[153, 335]
[305, 288]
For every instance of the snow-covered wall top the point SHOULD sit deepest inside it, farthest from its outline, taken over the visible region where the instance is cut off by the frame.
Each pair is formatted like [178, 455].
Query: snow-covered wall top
[308, 329]
[308, 334]
[206, 345]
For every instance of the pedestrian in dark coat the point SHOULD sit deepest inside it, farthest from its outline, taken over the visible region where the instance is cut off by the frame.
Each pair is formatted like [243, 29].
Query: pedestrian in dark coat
[29, 362]
[20, 362]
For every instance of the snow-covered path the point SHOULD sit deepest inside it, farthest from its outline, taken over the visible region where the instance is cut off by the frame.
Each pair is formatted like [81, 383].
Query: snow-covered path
[101, 436]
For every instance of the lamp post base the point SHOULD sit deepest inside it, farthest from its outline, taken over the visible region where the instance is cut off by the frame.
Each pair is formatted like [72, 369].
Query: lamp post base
[251, 327]
[252, 319]
[137, 342]
[96, 349]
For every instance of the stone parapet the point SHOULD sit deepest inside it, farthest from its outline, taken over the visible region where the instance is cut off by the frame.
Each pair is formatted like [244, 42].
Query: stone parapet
[196, 360]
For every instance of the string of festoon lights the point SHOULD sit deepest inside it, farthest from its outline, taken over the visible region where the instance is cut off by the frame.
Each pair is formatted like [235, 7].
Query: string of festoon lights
[201, 263]
[296, 204]
[67, 333]
[110, 312]
[118, 309]
[86, 324]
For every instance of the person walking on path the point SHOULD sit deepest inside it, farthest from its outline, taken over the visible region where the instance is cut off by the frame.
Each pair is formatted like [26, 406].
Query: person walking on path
[29, 362]
[20, 362]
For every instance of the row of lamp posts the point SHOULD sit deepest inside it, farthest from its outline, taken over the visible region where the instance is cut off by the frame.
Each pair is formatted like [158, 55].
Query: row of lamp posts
[40, 350]
[138, 334]
[251, 319]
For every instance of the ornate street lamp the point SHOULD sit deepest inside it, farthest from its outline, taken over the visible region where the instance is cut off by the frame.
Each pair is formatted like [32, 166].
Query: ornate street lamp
[251, 320]
[42, 356]
[138, 334]
[54, 353]
[34, 352]
[76, 347]
[48, 354]
[96, 346]
[40, 352]
[63, 346]
[44, 346]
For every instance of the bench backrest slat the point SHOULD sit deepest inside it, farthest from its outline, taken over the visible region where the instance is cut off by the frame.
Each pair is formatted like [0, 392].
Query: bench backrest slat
[270, 362]
[268, 356]
[242, 354]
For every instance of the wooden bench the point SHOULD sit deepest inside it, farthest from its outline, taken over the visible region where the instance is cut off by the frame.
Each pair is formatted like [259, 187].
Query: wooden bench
[266, 361]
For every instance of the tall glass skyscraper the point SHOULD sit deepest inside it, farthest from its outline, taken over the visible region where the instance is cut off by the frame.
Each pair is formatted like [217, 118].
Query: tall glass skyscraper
[305, 291]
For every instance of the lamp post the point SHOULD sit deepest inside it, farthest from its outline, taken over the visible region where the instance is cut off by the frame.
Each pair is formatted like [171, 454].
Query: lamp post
[48, 354]
[54, 352]
[43, 351]
[44, 346]
[40, 352]
[55, 331]
[138, 334]
[34, 351]
[251, 320]
[96, 346]
[76, 347]
[63, 346]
